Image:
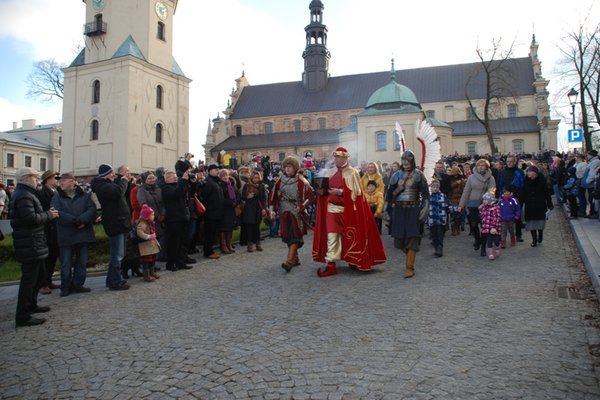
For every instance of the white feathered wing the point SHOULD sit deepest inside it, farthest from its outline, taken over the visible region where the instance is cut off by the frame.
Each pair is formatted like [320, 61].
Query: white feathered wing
[430, 147]
[401, 139]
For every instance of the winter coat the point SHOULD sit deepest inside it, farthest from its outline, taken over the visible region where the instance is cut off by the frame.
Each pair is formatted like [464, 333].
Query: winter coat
[511, 176]
[176, 198]
[116, 215]
[45, 195]
[510, 209]
[536, 198]
[72, 213]
[489, 215]
[457, 186]
[253, 207]
[28, 219]
[571, 187]
[152, 196]
[590, 173]
[136, 207]
[212, 197]
[438, 206]
[376, 202]
[477, 185]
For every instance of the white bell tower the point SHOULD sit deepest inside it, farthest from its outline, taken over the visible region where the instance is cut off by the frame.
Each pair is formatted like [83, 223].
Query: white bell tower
[126, 101]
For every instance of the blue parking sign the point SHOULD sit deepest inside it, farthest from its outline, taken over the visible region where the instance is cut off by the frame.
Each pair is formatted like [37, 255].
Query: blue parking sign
[575, 135]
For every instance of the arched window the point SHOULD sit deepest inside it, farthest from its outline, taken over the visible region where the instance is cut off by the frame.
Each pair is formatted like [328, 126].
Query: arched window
[238, 130]
[517, 146]
[94, 130]
[160, 31]
[471, 148]
[396, 141]
[381, 141]
[322, 123]
[268, 128]
[96, 92]
[513, 111]
[354, 120]
[159, 97]
[159, 133]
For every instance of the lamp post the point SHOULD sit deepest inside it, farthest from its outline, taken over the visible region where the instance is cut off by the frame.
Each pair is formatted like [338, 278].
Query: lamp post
[572, 95]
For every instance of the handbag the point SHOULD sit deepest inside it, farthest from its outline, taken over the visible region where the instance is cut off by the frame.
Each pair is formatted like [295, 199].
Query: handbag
[200, 209]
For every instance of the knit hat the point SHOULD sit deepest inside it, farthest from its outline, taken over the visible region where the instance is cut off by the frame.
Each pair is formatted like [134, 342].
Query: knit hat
[435, 183]
[533, 168]
[145, 175]
[104, 170]
[374, 183]
[488, 198]
[212, 166]
[146, 212]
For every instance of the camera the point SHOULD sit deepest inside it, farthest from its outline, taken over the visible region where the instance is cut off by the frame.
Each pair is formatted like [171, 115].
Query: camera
[192, 176]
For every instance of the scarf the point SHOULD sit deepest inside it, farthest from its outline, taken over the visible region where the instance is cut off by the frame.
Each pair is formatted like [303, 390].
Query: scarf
[230, 191]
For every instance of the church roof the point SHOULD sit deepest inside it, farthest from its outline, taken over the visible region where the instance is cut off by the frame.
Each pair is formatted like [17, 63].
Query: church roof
[499, 126]
[430, 85]
[283, 139]
[22, 140]
[129, 48]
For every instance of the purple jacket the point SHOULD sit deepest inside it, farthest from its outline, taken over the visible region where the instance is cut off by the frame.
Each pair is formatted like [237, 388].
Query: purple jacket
[510, 209]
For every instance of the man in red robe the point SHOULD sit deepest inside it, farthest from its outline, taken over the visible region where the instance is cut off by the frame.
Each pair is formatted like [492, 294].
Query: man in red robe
[345, 228]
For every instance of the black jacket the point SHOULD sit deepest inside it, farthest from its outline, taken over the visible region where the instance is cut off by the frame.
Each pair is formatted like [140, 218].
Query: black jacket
[176, 198]
[116, 217]
[212, 198]
[536, 198]
[28, 219]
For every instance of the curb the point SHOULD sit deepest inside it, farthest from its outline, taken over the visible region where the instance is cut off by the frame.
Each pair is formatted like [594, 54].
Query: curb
[589, 255]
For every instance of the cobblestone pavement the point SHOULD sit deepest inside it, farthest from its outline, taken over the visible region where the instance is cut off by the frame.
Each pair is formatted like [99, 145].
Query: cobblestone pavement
[240, 327]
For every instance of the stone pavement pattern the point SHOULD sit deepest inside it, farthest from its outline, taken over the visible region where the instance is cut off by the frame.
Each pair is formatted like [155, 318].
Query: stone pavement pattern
[240, 327]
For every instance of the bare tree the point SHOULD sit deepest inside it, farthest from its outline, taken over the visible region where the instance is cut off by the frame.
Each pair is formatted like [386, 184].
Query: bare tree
[46, 81]
[581, 63]
[493, 73]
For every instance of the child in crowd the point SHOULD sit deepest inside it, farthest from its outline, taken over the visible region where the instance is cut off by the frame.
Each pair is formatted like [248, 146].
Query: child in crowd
[148, 245]
[375, 200]
[571, 188]
[510, 211]
[491, 226]
[438, 206]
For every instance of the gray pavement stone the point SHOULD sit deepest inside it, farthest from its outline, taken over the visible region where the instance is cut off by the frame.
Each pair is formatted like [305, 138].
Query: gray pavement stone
[240, 327]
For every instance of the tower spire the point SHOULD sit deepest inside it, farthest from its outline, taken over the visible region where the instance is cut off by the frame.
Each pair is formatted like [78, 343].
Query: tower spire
[316, 56]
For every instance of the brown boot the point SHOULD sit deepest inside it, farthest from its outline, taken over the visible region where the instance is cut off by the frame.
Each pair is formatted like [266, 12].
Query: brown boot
[258, 247]
[250, 248]
[153, 273]
[147, 277]
[410, 264]
[223, 243]
[228, 240]
[292, 255]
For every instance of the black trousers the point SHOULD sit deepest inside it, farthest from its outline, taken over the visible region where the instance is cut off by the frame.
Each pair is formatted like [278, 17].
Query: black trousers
[437, 234]
[32, 278]
[50, 264]
[177, 233]
[210, 234]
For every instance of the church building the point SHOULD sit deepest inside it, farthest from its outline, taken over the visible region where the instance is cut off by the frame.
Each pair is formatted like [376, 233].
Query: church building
[361, 112]
[126, 100]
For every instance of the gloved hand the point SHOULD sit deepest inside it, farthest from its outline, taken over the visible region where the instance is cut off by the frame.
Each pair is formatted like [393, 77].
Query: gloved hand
[152, 236]
[493, 231]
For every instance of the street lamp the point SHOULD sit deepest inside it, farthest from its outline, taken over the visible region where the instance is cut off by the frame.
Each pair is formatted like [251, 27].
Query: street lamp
[572, 95]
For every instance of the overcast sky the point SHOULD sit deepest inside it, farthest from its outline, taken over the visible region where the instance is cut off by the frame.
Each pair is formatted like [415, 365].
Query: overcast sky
[215, 40]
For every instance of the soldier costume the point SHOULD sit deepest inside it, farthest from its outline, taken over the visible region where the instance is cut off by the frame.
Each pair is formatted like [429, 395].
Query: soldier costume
[408, 195]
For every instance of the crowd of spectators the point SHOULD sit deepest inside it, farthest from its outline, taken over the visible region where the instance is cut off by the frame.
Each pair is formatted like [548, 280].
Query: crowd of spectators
[172, 213]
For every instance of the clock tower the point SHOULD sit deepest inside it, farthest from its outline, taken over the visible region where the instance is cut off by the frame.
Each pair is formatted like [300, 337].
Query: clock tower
[126, 100]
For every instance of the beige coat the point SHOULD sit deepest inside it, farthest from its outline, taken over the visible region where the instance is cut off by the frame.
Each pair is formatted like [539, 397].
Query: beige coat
[146, 246]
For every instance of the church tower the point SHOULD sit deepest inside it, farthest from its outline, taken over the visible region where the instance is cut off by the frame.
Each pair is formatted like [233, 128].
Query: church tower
[316, 56]
[126, 101]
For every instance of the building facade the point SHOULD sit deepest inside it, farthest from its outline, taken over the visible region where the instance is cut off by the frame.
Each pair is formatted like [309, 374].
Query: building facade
[31, 145]
[360, 111]
[126, 100]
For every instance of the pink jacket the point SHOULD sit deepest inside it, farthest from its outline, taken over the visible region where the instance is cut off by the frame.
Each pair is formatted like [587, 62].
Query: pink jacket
[490, 218]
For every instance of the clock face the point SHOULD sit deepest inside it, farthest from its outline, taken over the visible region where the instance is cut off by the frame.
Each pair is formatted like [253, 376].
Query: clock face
[98, 5]
[161, 10]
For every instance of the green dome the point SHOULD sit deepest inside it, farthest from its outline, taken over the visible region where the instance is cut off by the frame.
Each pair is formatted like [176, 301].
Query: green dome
[392, 93]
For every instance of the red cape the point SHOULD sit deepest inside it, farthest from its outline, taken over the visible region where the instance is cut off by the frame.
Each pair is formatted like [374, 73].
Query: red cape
[361, 242]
